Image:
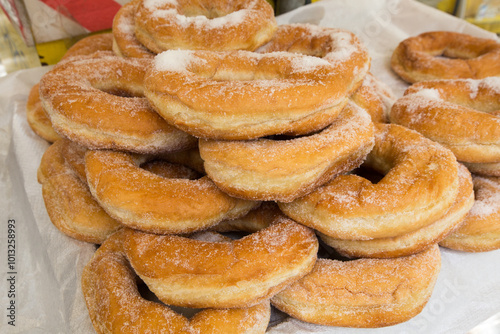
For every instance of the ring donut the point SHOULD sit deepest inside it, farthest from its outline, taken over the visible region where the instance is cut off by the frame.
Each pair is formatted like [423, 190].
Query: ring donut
[375, 97]
[419, 186]
[155, 203]
[245, 95]
[36, 115]
[416, 241]
[116, 305]
[243, 272]
[209, 25]
[125, 44]
[68, 200]
[446, 55]
[37, 118]
[79, 97]
[480, 230]
[283, 170]
[363, 293]
[459, 114]
[89, 45]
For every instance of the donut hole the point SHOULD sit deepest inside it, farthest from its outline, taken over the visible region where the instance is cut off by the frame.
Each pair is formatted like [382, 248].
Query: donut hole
[113, 88]
[170, 170]
[209, 9]
[368, 173]
[148, 295]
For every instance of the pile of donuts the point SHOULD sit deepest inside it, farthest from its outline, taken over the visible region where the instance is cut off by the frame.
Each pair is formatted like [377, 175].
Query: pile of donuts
[225, 163]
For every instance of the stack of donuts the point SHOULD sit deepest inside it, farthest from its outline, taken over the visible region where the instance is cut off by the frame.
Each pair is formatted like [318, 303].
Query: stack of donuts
[225, 163]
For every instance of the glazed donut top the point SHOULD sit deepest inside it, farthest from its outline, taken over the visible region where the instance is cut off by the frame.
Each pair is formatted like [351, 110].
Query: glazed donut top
[446, 55]
[207, 24]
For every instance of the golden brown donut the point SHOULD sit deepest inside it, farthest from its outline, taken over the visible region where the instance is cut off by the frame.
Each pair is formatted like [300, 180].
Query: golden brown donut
[446, 55]
[68, 201]
[419, 186]
[37, 118]
[375, 97]
[283, 170]
[363, 293]
[153, 203]
[415, 241]
[125, 43]
[245, 95]
[459, 114]
[485, 169]
[480, 230]
[115, 305]
[90, 44]
[337, 46]
[243, 272]
[82, 98]
[208, 25]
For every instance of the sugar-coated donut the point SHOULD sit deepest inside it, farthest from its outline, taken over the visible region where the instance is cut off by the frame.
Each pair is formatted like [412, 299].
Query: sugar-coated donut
[82, 98]
[154, 203]
[485, 169]
[459, 114]
[89, 45]
[480, 230]
[446, 55]
[193, 273]
[37, 118]
[125, 44]
[415, 241]
[207, 24]
[364, 292]
[115, 304]
[375, 97]
[36, 115]
[340, 47]
[419, 186]
[68, 200]
[246, 95]
[283, 170]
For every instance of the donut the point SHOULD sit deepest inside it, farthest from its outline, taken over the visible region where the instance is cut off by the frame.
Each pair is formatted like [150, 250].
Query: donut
[125, 44]
[155, 203]
[268, 169]
[419, 185]
[36, 116]
[375, 97]
[115, 304]
[459, 114]
[90, 44]
[240, 273]
[97, 102]
[243, 95]
[362, 293]
[204, 25]
[37, 119]
[446, 55]
[337, 46]
[480, 230]
[69, 203]
[485, 169]
[415, 241]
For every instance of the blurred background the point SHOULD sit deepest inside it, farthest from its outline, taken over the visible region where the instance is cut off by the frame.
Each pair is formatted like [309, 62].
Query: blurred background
[38, 32]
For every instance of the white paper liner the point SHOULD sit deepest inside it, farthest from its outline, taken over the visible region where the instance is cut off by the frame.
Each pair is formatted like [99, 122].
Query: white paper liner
[48, 264]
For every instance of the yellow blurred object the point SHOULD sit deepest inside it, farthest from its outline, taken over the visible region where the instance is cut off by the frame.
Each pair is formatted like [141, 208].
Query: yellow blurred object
[483, 13]
[14, 54]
